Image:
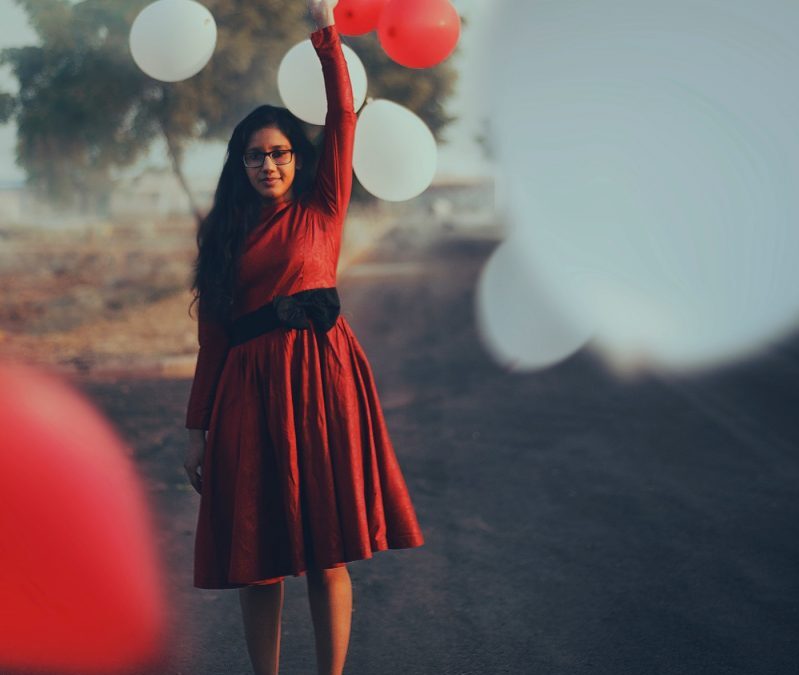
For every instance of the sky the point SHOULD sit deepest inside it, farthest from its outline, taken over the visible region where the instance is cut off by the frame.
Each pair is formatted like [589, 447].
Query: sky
[459, 155]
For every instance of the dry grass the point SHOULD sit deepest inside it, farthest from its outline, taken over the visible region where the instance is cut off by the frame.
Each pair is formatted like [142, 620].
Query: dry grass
[113, 297]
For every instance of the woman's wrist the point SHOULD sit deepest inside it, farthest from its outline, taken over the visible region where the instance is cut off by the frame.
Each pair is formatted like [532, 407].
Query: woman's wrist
[324, 19]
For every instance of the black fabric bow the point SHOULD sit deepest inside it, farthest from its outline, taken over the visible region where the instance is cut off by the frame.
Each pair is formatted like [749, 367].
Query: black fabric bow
[320, 305]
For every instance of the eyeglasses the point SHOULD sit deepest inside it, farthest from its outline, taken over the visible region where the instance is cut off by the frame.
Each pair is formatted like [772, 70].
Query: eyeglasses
[255, 158]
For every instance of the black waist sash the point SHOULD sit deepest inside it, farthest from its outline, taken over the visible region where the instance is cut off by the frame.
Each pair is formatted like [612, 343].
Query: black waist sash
[314, 307]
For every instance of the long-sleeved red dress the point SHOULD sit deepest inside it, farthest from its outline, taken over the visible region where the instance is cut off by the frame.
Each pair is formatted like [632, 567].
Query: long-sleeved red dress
[299, 470]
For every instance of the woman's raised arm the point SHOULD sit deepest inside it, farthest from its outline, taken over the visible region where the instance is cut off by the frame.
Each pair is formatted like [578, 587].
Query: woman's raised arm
[333, 185]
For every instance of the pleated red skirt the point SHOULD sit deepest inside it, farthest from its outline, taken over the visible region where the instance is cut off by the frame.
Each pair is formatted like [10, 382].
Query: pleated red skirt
[299, 470]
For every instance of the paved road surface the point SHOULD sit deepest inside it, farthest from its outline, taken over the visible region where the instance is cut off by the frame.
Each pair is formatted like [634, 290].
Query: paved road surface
[574, 524]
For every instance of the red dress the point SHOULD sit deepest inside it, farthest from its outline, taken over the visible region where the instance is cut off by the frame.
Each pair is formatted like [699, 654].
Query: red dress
[299, 470]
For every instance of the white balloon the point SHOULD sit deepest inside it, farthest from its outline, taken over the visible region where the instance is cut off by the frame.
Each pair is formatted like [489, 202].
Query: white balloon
[652, 159]
[395, 153]
[301, 83]
[172, 40]
[518, 319]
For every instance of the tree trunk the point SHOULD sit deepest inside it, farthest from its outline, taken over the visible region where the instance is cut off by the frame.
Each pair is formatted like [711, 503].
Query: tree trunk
[175, 156]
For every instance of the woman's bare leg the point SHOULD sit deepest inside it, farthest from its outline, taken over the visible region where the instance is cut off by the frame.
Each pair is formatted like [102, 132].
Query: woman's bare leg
[330, 597]
[260, 609]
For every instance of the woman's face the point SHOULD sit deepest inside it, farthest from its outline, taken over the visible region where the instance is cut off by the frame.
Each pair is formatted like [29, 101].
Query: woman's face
[272, 181]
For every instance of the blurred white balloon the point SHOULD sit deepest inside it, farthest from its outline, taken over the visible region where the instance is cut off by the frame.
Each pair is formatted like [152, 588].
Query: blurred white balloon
[652, 157]
[395, 154]
[518, 321]
[171, 40]
[301, 83]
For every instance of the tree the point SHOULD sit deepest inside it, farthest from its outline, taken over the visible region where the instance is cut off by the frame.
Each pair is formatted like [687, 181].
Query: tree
[84, 108]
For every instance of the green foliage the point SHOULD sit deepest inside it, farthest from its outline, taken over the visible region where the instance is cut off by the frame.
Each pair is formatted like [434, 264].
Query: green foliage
[84, 107]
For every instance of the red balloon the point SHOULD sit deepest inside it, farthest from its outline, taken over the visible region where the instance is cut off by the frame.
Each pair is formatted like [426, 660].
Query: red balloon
[419, 33]
[356, 17]
[80, 580]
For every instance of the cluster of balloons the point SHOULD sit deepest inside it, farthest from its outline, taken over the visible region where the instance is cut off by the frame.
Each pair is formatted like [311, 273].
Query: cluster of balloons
[395, 154]
[414, 33]
[81, 580]
[650, 168]
[172, 40]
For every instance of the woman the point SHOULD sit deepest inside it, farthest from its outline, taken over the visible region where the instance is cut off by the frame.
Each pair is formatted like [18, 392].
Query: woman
[296, 473]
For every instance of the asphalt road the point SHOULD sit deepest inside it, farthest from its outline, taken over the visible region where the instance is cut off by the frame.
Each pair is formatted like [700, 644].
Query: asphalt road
[575, 524]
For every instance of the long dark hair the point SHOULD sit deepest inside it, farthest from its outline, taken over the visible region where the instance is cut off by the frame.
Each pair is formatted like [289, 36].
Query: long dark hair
[221, 234]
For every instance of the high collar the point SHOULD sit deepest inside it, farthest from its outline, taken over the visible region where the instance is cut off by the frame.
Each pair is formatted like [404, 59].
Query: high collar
[270, 207]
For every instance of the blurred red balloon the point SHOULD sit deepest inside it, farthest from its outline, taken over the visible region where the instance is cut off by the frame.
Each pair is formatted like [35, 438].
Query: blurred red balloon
[356, 17]
[80, 580]
[419, 33]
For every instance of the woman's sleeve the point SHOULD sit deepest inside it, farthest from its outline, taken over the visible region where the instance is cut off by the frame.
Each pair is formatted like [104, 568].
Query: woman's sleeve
[214, 342]
[333, 186]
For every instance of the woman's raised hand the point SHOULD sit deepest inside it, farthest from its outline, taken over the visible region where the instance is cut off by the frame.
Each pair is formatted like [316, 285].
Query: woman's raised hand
[321, 11]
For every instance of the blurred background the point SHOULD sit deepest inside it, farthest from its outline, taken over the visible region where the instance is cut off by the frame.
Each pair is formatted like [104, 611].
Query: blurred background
[103, 170]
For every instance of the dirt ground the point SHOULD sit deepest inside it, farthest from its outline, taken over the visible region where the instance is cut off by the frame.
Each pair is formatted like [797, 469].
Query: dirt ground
[77, 299]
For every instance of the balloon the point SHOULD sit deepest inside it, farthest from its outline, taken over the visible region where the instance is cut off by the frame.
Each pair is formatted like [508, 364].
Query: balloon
[80, 578]
[395, 153]
[518, 319]
[419, 33]
[655, 194]
[172, 40]
[301, 83]
[356, 17]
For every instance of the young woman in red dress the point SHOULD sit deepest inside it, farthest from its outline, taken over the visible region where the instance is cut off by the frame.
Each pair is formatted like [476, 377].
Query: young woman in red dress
[288, 448]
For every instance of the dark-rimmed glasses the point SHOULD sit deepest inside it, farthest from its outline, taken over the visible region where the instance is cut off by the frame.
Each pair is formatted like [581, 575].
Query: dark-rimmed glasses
[254, 159]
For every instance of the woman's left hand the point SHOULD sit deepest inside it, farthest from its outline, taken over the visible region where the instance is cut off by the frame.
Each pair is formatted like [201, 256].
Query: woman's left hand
[322, 11]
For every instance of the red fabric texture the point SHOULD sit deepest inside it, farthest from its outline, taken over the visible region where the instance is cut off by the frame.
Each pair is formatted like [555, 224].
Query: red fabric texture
[299, 469]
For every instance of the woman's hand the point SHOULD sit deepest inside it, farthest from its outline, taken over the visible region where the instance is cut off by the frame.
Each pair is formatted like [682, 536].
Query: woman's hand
[194, 458]
[322, 12]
